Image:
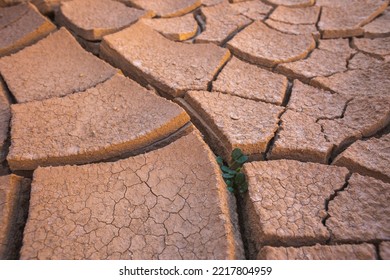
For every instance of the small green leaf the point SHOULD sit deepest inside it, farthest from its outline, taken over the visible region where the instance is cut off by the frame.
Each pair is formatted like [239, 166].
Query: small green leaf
[220, 161]
[241, 160]
[234, 179]
[229, 183]
[226, 169]
[237, 153]
[227, 176]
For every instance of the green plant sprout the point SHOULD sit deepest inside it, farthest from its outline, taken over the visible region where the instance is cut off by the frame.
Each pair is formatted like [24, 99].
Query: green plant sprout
[235, 180]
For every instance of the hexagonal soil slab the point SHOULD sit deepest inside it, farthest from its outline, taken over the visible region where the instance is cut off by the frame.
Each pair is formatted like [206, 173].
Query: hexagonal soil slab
[11, 14]
[316, 102]
[177, 28]
[167, 204]
[360, 213]
[14, 194]
[300, 137]
[295, 29]
[232, 122]
[358, 82]
[55, 66]
[362, 61]
[371, 157]
[221, 21]
[367, 114]
[378, 47]
[322, 61]
[307, 15]
[265, 46]
[255, 10]
[91, 19]
[379, 27]
[171, 67]
[334, 23]
[21, 26]
[249, 81]
[319, 124]
[112, 119]
[320, 252]
[285, 203]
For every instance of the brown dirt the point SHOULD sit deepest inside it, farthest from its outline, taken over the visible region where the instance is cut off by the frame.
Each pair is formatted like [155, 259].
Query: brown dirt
[160, 205]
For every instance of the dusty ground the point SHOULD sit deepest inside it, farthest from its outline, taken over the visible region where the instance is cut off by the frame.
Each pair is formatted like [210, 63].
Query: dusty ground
[112, 113]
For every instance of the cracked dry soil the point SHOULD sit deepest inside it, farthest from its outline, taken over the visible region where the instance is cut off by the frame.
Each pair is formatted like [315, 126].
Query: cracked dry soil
[112, 113]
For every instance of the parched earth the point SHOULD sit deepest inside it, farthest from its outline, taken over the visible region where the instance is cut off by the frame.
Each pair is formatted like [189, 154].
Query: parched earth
[112, 113]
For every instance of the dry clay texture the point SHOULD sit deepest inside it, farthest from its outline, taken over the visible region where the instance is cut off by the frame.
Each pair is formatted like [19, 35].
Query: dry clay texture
[291, 203]
[361, 212]
[55, 66]
[292, 3]
[178, 28]
[266, 46]
[211, 2]
[167, 204]
[89, 18]
[384, 250]
[378, 47]
[222, 20]
[171, 67]
[359, 82]
[165, 8]
[319, 252]
[232, 122]
[319, 124]
[285, 204]
[307, 15]
[301, 86]
[254, 10]
[380, 27]
[330, 58]
[370, 157]
[295, 29]
[21, 26]
[335, 24]
[243, 79]
[114, 118]
[363, 61]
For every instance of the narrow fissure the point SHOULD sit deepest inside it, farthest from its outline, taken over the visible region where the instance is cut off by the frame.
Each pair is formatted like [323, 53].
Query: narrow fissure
[272, 141]
[331, 198]
[240, 216]
[318, 22]
[233, 34]
[377, 251]
[287, 95]
[215, 77]
[24, 206]
[201, 22]
[11, 98]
